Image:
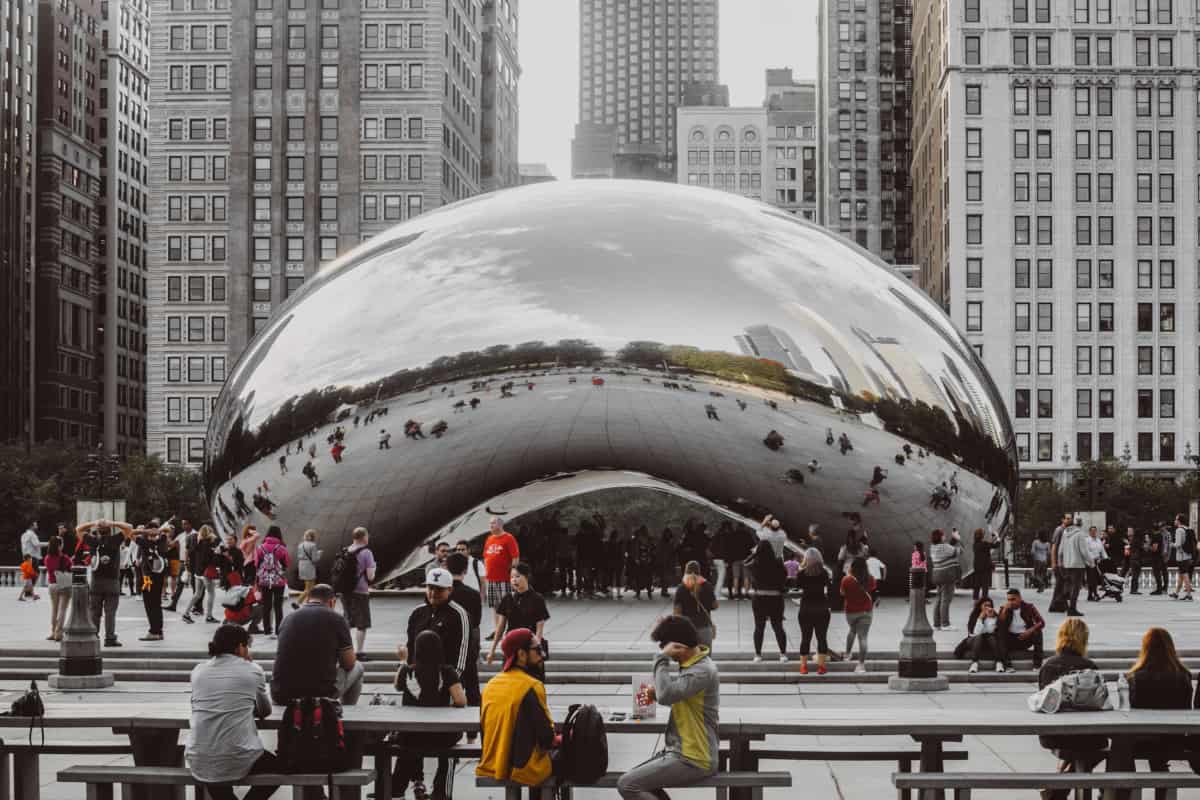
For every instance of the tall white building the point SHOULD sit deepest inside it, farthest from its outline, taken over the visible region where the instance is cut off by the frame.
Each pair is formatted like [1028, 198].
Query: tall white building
[1055, 145]
[284, 132]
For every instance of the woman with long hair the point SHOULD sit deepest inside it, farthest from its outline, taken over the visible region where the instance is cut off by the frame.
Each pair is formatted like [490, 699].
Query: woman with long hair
[770, 579]
[205, 575]
[696, 600]
[943, 573]
[981, 548]
[58, 574]
[307, 556]
[1158, 679]
[814, 608]
[270, 572]
[856, 589]
[431, 683]
[1080, 753]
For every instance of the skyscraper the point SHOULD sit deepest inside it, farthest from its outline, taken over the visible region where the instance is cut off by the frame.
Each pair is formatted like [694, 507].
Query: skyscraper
[69, 188]
[1055, 206]
[637, 58]
[124, 220]
[501, 70]
[18, 214]
[866, 92]
[341, 119]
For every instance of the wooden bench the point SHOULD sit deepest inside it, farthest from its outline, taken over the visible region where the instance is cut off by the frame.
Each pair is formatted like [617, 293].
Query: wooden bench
[962, 783]
[754, 782]
[904, 757]
[100, 780]
[384, 752]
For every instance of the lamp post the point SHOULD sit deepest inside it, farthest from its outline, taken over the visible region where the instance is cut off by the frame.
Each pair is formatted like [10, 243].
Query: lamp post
[918, 667]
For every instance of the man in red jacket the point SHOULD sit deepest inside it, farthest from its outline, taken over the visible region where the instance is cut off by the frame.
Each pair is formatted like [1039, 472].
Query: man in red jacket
[1019, 627]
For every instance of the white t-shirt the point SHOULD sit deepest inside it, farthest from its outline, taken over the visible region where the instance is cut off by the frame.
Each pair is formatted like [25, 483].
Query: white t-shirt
[474, 570]
[1016, 625]
[875, 568]
[1180, 538]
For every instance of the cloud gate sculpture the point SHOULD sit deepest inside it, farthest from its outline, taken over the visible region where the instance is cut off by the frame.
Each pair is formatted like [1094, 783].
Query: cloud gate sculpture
[520, 347]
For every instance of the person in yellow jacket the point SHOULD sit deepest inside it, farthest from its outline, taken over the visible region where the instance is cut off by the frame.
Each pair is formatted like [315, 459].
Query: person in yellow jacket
[518, 731]
[686, 679]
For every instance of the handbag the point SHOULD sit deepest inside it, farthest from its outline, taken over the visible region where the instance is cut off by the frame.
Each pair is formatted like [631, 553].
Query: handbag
[695, 590]
[1047, 700]
[30, 705]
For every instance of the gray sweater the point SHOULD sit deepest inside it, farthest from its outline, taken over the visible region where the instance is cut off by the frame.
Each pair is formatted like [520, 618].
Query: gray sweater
[1073, 551]
[694, 695]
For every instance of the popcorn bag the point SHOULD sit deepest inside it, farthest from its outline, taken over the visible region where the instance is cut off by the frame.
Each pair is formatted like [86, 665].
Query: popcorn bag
[643, 710]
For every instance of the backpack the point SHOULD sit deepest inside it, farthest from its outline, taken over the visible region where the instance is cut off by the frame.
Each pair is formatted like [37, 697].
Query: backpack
[311, 737]
[344, 576]
[270, 571]
[1084, 690]
[584, 753]
[235, 597]
[1189, 541]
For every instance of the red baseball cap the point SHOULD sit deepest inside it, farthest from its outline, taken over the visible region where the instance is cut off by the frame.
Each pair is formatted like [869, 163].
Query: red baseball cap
[514, 642]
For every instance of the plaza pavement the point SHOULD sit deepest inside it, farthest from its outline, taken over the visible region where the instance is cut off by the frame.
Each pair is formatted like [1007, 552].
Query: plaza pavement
[597, 626]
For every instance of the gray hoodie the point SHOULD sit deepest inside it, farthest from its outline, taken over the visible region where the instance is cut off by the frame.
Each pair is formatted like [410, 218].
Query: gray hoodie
[694, 695]
[1073, 552]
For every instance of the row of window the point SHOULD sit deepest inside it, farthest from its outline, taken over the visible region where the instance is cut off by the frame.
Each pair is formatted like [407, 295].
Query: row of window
[1104, 275]
[1146, 51]
[1039, 230]
[200, 207]
[199, 328]
[1043, 187]
[197, 408]
[1083, 447]
[1084, 364]
[1083, 317]
[200, 288]
[1145, 12]
[195, 369]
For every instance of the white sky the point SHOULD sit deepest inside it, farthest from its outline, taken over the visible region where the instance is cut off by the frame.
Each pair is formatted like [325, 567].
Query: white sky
[755, 34]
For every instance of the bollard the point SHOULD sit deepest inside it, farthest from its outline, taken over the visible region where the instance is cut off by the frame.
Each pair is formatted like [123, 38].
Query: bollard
[918, 669]
[79, 663]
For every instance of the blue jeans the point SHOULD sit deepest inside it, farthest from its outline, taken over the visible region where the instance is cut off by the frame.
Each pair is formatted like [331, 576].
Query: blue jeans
[647, 780]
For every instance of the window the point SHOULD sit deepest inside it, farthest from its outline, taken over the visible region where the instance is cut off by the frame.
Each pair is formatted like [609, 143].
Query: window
[1083, 230]
[1021, 360]
[975, 143]
[295, 210]
[416, 73]
[1045, 445]
[1104, 100]
[1020, 101]
[974, 316]
[1021, 187]
[1021, 322]
[1166, 145]
[1083, 187]
[1166, 361]
[974, 273]
[1045, 230]
[1145, 230]
[1083, 101]
[1020, 230]
[1021, 404]
[1020, 143]
[1045, 317]
[1104, 360]
[329, 37]
[1166, 231]
[329, 168]
[1042, 143]
[1145, 403]
[974, 186]
[1020, 11]
[1166, 403]
[1104, 145]
[975, 228]
[974, 101]
[1145, 360]
[1083, 447]
[262, 129]
[1023, 446]
[1021, 273]
[295, 39]
[1166, 447]
[1105, 228]
[971, 11]
[1020, 51]
[971, 50]
[1083, 316]
[1041, 51]
[1083, 360]
[1045, 408]
[329, 129]
[1104, 187]
[295, 129]
[1166, 317]
[1104, 273]
[1045, 356]
[262, 290]
[1103, 51]
[1045, 187]
[1104, 404]
[329, 208]
[1042, 97]
[1045, 273]
[329, 76]
[1083, 273]
[262, 76]
[295, 76]
[1083, 51]
[262, 37]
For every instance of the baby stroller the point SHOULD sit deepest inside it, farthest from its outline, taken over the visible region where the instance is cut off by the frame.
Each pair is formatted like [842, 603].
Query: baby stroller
[1111, 586]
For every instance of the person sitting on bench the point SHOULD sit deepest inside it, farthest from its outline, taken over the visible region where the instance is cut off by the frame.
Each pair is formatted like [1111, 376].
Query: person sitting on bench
[693, 693]
[518, 731]
[229, 691]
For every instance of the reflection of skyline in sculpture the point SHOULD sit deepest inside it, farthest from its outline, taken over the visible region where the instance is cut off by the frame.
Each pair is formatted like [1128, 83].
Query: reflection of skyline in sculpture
[767, 341]
[605, 310]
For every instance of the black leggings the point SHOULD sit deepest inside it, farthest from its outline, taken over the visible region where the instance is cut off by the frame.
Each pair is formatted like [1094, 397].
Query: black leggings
[814, 621]
[410, 768]
[272, 606]
[266, 763]
[768, 608]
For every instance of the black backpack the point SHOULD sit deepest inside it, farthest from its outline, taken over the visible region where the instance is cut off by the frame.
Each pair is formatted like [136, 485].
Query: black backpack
[584, 753]
[311, 737]
[1189, 541]
[344, 576]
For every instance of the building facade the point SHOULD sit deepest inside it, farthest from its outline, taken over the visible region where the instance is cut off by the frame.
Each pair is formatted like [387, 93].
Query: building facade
[124, 220]
[343, 118]
[637, 59]
[865, 83]
[67, 366]
[18, 214]
[768, 152]
[500, 73]
[1073, 114]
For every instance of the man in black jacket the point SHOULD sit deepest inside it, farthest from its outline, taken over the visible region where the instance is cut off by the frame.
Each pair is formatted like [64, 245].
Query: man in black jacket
[444, 617]
[457, 564]
[1019, 627]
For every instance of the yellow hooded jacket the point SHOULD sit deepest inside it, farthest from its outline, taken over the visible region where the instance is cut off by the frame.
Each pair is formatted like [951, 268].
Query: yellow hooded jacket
[518, 731]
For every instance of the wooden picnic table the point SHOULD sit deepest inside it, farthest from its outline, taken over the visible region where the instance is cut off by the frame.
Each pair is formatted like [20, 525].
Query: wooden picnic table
[154, 728]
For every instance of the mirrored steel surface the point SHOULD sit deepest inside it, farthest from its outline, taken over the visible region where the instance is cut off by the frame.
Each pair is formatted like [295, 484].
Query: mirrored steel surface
[636, 332]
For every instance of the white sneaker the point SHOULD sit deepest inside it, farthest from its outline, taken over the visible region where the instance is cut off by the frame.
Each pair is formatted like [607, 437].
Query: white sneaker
[973, 668]
[758, 659]
[999, 667]
[937, 627]
[949, 628]
[782, 658]
[860, 668]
